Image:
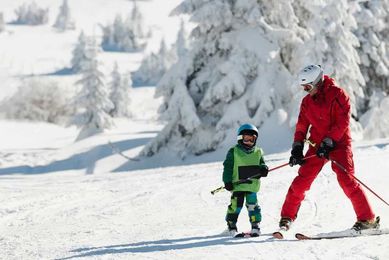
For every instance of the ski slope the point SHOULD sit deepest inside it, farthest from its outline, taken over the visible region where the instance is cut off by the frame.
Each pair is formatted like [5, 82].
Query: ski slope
[65, 200]
[61, 199]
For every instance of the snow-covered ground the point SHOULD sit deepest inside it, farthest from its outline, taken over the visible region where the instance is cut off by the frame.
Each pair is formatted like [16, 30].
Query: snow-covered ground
[64, 200]
[53, 207]
[61, 199]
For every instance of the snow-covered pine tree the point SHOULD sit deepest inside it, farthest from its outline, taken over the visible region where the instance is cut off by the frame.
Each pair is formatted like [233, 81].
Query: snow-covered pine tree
[64, 20]
[181, 45]
[136, 22]
[120, 36]
[129, 35]
[114, 34]
[375, 121]
[333, 45]
[2, 26]
[232, 74]
[148, 72]
[78, 53]
[154, 66]
[93, 100]
[290, 36]
[31, 14]
[373, 35]
[120, 87]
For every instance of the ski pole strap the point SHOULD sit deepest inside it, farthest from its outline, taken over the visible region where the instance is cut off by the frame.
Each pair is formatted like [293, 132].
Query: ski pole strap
[310, 142]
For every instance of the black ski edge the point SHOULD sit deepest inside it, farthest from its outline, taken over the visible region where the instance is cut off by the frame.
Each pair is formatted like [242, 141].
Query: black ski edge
[300, 236]
[245, 235]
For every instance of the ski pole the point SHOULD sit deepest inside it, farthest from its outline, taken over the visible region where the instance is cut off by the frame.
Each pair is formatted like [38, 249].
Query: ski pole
[353, 176]
[256, 175]
[358, 180]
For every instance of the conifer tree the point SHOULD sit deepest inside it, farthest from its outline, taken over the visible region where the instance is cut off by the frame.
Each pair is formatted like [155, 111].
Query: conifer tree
[220, 82]
[93, 100]
[120, 87]
[181, 43]
[373, 35]
[154, 66]
[2, 26]
[31, 14]
[64, 20]
[128, 35]
[79, 53]
[242, 67]
[332, 44]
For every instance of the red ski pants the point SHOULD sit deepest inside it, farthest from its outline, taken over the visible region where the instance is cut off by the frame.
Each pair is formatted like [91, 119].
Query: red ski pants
[307, 174]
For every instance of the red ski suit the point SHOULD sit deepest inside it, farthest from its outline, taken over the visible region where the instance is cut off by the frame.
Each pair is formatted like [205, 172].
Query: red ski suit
[327, 113]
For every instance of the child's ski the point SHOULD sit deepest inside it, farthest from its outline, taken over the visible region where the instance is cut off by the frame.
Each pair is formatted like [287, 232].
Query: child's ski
[246, 235]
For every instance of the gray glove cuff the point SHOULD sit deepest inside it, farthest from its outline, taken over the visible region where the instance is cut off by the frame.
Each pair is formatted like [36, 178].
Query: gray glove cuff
[295, 144]
[328, 142]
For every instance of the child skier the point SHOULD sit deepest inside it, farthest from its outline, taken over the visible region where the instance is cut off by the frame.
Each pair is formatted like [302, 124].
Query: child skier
[243, 161]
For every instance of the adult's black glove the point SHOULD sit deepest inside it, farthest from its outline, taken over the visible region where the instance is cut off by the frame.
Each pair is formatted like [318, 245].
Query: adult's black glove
[263, 170]
[297, 156]
[326, 146]
[228, 186]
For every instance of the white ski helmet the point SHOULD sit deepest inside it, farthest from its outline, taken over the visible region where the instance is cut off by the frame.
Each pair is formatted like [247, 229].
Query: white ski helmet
[311, 74]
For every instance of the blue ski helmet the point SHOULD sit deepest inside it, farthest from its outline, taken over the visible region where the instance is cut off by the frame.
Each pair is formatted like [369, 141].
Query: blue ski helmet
[247, 129]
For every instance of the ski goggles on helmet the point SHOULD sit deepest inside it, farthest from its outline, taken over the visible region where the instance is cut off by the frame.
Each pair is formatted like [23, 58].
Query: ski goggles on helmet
[249, 138]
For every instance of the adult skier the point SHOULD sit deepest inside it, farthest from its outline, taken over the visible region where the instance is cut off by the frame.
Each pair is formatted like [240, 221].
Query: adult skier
[238, 165]
[325, 114]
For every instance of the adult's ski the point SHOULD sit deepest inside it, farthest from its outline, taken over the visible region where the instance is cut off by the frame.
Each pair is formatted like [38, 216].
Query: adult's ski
[280, 234]
[343, 234]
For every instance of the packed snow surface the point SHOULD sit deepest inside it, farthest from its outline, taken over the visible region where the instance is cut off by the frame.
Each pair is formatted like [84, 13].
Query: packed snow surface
[61, 199]
[65, 200]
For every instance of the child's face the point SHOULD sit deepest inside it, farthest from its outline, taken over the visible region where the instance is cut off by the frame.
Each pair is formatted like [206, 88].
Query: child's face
[248, 139]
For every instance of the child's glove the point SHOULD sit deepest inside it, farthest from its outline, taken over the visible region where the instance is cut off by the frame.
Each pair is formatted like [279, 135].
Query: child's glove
[264, 170]
[228, 186]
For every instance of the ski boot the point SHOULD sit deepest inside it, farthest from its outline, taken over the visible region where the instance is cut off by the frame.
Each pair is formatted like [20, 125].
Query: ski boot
[285, 223]
[255, 230]
[232, 229]
[366, 224]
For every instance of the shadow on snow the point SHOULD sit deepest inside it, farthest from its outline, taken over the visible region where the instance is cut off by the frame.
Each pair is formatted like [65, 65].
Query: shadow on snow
[85, 160]
[60, 72]
[163, 245]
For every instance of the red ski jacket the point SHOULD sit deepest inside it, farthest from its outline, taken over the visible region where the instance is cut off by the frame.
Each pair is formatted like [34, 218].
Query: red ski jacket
[327, 114]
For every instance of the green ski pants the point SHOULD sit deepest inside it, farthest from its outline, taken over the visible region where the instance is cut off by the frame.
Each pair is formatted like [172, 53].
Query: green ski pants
[237, 200]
